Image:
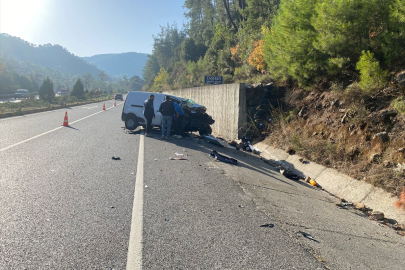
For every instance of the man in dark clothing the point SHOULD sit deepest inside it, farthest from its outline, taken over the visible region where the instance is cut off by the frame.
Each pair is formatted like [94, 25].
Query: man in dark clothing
[167, 110]
[149, 113]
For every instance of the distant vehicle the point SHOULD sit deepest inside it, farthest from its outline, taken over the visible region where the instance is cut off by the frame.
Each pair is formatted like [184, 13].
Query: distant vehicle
[21, 93]
[119, 97]
[64, 92]
[195, 116]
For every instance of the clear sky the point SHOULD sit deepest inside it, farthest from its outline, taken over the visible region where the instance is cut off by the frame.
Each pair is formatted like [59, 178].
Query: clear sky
[89, 27]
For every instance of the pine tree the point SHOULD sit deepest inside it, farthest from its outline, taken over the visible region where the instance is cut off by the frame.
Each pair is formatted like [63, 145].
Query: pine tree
[46, 90]
[78, 89]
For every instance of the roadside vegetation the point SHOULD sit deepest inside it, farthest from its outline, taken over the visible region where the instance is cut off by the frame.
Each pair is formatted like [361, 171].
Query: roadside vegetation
[342, 63]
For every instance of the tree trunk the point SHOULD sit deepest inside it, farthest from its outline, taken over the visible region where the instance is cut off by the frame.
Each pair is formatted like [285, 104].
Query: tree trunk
[228, 12]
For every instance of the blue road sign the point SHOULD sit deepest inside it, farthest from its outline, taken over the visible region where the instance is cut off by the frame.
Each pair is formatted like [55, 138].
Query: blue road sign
[214, 80]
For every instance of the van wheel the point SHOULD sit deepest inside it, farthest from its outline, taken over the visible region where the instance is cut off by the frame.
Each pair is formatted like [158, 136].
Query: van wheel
[131, 124]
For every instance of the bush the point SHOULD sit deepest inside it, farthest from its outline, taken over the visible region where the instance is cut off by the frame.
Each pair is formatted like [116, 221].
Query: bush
[399, 105]
[371, 75]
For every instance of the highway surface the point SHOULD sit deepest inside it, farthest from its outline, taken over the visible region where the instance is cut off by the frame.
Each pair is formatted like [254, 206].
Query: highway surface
[66, 204]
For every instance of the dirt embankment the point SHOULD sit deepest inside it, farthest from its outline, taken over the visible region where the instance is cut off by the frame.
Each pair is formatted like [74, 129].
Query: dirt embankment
[357, 133]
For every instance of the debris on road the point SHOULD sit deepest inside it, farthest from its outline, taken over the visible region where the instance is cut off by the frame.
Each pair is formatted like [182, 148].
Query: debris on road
[116, 158]
[377, 215]
[267, 225]
[172, 158]
[223, 158]
[241, 206]
[288, 173]
[179, 155]
[308, 236]
[313, 183]
[156, 159]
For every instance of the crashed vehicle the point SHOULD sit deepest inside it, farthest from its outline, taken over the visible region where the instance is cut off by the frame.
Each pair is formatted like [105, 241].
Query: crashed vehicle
[195, 116]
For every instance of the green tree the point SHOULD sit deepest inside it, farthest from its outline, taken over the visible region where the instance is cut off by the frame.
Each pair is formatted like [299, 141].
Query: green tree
[150, 70]
[78, 89]
[46, 90]
[160, 81]
[371, 75]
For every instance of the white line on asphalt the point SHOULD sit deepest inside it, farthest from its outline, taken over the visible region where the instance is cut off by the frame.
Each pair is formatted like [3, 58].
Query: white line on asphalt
[134, 257]
[55, 129]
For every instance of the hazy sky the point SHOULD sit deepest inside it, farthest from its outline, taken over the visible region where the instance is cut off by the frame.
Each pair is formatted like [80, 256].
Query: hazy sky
[89, 27]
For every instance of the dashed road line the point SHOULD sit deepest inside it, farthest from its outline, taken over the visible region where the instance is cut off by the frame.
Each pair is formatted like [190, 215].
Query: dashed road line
[134, 257]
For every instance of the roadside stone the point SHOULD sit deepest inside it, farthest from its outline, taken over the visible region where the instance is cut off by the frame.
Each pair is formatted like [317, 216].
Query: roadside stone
[343, 119]
[302, 112]
[386, 115]
[354, 132]
[335, 103]
[401, 150]
[360, 206]
[377, 215]
[388, 164]
[315, 133]
[342, 110]
[401, 226]
[400, 78]
[383, 136]
[301, 160]
[375, 158]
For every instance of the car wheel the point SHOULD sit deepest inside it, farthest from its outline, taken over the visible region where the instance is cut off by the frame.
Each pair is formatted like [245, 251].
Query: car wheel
[205, 131]
[131, 124]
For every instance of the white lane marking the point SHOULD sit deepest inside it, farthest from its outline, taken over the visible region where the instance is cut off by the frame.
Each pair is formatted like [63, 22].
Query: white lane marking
[37, 136]
[134, 257]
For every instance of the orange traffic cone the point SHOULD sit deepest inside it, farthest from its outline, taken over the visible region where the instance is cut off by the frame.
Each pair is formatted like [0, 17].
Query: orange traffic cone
[115, 103]
[65, 121]
[104, 107]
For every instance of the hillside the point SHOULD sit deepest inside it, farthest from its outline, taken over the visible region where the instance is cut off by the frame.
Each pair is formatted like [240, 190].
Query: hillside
[118, 65]
[52, 56]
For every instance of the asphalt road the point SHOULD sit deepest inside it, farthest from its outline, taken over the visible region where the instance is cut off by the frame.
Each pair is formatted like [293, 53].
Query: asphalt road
[66, 204]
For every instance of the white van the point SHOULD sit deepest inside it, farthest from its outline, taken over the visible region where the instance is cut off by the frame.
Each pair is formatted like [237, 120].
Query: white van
[132, 112]
[195, 116]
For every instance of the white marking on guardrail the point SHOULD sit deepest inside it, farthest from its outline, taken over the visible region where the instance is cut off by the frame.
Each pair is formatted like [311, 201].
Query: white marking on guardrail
[134, 257]
[55, 129]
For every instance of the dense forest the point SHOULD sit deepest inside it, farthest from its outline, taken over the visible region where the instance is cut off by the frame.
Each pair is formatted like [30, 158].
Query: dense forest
[307, 42]
[26, 66]
[119, 64]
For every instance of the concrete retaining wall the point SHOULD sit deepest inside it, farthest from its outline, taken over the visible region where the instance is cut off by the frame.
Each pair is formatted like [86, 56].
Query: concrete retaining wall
[337, 183]
[225, 103]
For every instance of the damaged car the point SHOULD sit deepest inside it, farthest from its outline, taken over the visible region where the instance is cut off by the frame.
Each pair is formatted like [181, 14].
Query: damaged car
[195, 116]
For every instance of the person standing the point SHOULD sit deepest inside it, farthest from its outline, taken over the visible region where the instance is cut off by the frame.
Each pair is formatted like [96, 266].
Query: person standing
[167, 110]
[149, 113]
[179, 120]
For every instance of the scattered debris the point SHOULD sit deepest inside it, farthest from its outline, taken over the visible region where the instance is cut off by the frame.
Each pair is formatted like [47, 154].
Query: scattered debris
[307, 179]
[377, 215]
[308, 236]
[223, 158]
[166, 219]
[156, 159]
[116, 158]
[313, 183]
[288, 173]
[179, 155]
[176, 158]
[344, 204]
[267, 225]
[241, 206]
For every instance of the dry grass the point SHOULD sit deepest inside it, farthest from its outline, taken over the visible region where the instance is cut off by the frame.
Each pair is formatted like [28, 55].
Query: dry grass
[348, 147]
